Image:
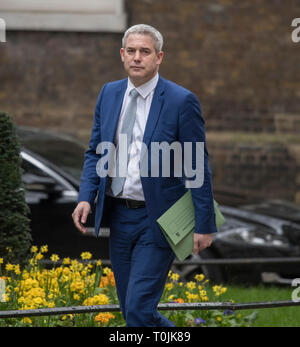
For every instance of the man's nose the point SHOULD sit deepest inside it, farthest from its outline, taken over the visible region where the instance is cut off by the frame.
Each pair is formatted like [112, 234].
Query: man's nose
[137, 56]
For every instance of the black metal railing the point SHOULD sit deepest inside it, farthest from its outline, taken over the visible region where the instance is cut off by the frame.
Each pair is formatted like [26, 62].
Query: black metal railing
[164, 307]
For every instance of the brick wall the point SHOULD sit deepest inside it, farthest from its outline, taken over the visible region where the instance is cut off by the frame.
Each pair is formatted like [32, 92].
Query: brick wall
[252, 171]
[237, 56]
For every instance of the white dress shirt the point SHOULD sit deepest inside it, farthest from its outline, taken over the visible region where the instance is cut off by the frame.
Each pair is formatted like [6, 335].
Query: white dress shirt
[133, 186]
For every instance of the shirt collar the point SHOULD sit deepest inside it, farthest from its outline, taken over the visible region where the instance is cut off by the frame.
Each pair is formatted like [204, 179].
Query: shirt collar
[144, 89]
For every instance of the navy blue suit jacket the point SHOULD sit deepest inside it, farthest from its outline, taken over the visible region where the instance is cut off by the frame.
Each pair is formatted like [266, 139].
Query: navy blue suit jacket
[175, 115]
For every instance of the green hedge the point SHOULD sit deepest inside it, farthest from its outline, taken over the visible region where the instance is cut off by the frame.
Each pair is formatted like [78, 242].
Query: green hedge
[15, 235]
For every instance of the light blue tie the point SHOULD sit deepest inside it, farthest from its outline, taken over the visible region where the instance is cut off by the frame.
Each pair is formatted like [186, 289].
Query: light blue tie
[117, 182]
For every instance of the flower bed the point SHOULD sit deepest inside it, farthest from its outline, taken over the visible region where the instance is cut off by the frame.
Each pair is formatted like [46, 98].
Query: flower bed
[75, 283]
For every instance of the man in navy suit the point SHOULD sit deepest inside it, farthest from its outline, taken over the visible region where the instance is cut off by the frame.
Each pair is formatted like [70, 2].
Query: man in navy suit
[148, 109]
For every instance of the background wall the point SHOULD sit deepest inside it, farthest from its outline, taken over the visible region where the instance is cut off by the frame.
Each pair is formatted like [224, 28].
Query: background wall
[236, 56]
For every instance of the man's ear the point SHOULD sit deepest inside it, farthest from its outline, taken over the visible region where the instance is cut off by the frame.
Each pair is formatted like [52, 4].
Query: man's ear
[160, 56]
[122, 50]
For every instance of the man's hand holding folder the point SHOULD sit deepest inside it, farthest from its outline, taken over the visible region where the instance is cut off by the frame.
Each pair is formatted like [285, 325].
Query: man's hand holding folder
[178, 225]
[202, 241]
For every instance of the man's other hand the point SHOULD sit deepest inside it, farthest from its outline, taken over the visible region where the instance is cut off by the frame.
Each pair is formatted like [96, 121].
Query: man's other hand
[80, 214]
[202, 241]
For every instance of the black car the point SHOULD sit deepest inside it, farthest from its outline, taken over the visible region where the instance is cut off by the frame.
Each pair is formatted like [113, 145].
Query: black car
[248, 234]
[52, 167]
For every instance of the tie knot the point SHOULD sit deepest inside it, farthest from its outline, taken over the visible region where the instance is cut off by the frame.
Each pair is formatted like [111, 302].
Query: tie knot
[134, 93]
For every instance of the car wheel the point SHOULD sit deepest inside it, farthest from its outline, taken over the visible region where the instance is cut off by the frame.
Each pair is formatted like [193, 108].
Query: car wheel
[212, 272]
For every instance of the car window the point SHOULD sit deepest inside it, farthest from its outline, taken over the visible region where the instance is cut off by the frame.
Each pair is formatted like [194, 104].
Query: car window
[35, 179]
[65, 153]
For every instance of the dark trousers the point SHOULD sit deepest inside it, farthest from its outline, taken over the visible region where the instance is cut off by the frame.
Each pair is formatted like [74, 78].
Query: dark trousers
[140, 266]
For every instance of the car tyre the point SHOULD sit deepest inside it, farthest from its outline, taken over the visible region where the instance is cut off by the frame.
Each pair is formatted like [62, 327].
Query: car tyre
[212, 272]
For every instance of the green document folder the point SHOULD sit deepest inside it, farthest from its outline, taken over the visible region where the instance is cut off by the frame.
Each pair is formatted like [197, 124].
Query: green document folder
[178, 225]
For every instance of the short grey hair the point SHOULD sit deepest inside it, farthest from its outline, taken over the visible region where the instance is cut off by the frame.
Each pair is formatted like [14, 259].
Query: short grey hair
[144, 29]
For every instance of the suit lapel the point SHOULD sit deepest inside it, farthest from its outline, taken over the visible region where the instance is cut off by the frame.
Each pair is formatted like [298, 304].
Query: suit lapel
[110, 124]
[154, 113]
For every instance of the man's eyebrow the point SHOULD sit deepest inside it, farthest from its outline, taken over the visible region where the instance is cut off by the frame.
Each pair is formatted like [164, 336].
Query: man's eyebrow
[144, 48]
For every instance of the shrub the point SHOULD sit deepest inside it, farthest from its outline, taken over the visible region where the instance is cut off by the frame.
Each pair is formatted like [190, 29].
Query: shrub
[15, 236]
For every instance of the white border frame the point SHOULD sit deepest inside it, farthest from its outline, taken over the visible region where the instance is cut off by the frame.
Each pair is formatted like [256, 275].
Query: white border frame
[69, 15]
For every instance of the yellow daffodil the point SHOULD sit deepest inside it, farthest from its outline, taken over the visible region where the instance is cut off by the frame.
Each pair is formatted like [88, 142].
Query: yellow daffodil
[27, 320]
[33, 249]
[17, 269]
[76, 297]
[199, 277]
[192, 297]
[174, 277]
[86, 255]
[54, 258]
[106, 270]
[100, 299]
[191, 285]
[44, 249]
[9, 267]
[203, 292]
[39, 256]
[169, 286]
[66, 261]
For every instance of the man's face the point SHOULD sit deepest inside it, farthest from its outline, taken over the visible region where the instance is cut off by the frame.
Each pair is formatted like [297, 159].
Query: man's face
[140, 59]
